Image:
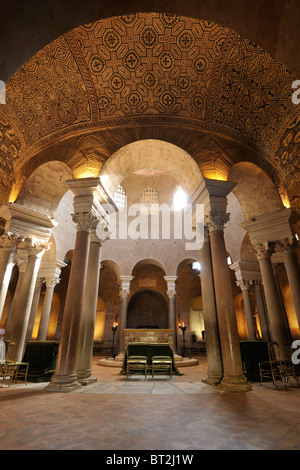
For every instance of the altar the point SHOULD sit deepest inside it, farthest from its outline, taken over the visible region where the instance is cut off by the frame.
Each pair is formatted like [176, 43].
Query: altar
[148, 335]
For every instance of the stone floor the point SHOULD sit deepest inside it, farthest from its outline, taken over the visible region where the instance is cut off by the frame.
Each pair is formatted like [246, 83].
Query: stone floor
[181, 413]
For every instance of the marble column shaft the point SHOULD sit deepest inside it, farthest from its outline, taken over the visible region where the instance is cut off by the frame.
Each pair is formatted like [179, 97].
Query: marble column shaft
[122, 320]
[7, 263]
[65, 378]
[46, 311]
[261, 311]
[293, 274]
[87, 327]
[244, 285]
[277, 323]
[34, 307]
[23, 298]
[234, 378]
[212, 338]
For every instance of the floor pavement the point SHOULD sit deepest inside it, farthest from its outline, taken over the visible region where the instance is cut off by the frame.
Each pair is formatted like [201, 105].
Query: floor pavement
[157, 413]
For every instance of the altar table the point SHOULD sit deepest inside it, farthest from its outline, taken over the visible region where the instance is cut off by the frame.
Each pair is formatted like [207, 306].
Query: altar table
[149, 350]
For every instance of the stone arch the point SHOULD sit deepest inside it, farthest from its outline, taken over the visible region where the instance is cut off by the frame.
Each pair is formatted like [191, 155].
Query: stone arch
[46, 186]
[185, 262]
[113, 265]
[151, 153]
[254, 190]
[144, 262]
[147, 308]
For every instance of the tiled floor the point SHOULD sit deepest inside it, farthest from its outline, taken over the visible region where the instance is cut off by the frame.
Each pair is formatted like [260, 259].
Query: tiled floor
[180, 413]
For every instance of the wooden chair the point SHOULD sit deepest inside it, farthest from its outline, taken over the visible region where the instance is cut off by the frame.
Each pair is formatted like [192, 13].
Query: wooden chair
[136, 363]
[274, 368]
[162, 363]
[13, 369]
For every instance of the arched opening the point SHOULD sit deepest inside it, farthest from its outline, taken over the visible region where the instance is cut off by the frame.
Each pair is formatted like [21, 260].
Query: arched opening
[147, 309]
[254, 190]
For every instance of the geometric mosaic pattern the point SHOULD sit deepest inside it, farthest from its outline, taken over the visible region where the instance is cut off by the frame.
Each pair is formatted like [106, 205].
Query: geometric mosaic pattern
[152, 67]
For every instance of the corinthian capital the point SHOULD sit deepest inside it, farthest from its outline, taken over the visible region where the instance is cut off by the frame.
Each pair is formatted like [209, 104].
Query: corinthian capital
[286, 245]
[85, 221]
[263, 250]
[216, 220]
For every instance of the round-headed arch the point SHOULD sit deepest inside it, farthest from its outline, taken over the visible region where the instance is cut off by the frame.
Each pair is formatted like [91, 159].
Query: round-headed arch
[155, 154]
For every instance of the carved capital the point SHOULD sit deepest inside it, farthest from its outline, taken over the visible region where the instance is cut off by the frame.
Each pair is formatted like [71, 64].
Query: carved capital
[85, 221]
[52, 281]
[171, 294]
[244, 284]
[286, 245]
[216, 220]
[124, 294]
[263, 250]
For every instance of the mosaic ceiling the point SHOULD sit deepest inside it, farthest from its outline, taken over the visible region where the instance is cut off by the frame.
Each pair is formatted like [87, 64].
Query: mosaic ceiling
[151, 69]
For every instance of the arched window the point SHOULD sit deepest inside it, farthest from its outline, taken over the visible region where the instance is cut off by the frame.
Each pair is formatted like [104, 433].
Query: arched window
[149, 196]
[179, 198]
[120, 197]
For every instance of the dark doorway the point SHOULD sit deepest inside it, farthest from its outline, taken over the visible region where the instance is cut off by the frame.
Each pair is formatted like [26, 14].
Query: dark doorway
[147, 309]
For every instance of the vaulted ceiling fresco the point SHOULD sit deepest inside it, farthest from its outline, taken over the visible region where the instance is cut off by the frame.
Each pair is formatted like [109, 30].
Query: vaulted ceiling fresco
[116, 77]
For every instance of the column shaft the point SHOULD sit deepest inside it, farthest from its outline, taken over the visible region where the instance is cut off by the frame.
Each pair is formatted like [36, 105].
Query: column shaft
[277, 324]
[23, 301]
[7, 264]
[46, 311]
[87, 327]
[212, 339]
[249, 313]
[122, 321]
[262, 312]
[65, 378]
[293, 274]
[33, 310]
[234, 378]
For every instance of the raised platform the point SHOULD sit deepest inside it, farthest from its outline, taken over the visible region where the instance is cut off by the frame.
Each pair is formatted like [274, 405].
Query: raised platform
[118, 362]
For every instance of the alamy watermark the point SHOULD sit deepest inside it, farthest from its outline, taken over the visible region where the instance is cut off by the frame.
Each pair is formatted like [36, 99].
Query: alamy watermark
[296, 94]
[296, 354]
[2, 92]
[159, 222]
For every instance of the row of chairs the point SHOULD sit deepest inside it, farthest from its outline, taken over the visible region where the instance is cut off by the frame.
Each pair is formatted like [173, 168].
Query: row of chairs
[279, 368]
[12, 370]
[161, 363]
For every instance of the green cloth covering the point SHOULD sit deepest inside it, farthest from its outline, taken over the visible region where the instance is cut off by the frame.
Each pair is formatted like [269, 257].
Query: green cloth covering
[149, 350]
[41, 356]
[253, 352]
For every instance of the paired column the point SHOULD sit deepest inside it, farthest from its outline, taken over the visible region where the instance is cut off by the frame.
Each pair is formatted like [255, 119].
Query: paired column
[212, 339]
[124, 292]
[234, 379]
[171, 293]
[89, 196]
[212, 194]
[87, 326]
[277, 324]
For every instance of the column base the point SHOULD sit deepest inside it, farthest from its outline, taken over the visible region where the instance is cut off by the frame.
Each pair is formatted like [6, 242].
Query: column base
[63, 384]
[84, 377]
[212, 380]
[235, 384]
[86, 380]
